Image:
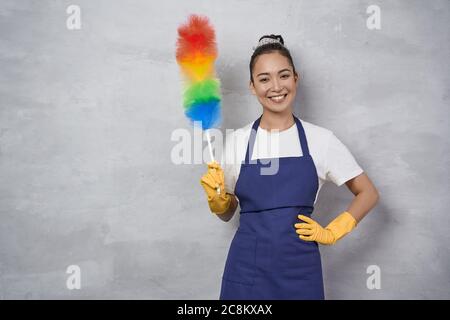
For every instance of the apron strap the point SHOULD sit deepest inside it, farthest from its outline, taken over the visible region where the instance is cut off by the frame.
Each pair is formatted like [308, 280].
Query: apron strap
[251, 140]
[302, 137]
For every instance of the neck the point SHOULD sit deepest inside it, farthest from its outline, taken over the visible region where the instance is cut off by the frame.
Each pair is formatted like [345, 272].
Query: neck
[277, 120]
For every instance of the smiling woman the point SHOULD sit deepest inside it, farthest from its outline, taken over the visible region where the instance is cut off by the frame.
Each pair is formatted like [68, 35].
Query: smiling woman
[275, 251]
[275, 80]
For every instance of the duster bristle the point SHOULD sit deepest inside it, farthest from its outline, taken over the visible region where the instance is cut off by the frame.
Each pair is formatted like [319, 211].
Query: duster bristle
[196, 53]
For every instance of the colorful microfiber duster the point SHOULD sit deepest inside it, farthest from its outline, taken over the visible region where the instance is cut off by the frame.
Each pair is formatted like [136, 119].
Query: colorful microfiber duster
[196, 54]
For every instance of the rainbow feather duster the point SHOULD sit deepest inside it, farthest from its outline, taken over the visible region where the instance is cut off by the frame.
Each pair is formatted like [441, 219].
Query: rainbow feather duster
[196, 53]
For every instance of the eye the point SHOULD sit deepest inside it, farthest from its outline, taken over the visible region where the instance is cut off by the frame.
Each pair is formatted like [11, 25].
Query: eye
[285, 76]
[263, 80]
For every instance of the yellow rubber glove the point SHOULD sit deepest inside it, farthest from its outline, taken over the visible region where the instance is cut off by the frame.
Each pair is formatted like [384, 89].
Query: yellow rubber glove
[213, 181]
[312, 231]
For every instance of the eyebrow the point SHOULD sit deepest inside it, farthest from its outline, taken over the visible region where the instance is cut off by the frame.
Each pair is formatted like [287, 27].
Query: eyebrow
[266, 73]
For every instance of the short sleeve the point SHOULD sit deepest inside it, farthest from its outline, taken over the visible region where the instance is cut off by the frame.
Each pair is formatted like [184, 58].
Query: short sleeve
[340, 165]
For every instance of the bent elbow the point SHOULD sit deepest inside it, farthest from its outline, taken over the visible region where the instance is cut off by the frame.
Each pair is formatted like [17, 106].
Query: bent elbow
[376, 196]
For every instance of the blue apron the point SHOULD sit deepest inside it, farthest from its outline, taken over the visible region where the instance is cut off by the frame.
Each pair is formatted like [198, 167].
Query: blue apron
[267, 259]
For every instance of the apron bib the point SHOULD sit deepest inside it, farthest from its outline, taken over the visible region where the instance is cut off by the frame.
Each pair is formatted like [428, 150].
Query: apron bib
[267, 259]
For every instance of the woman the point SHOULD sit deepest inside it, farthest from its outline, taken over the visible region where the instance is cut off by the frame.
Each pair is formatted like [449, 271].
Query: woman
[274, 253]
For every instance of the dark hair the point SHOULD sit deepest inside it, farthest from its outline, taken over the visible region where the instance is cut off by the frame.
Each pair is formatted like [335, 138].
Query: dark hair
[269, 47]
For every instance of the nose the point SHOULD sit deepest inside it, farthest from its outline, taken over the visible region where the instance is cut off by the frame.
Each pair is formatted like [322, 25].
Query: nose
[276, 85]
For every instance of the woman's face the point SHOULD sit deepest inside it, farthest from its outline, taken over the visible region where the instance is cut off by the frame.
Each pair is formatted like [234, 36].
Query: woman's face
[274, 82]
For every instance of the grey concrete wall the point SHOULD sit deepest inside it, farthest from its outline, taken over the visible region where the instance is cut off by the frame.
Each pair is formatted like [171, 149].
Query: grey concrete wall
[86, 117]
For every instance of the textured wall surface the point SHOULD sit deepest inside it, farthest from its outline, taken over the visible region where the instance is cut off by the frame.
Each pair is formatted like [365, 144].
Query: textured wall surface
[86, 118]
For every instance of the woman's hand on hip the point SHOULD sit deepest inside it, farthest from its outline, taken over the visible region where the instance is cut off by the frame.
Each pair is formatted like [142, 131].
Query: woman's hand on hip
[310, 230]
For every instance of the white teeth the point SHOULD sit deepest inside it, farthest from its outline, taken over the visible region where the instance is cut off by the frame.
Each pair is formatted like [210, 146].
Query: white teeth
[278, 98]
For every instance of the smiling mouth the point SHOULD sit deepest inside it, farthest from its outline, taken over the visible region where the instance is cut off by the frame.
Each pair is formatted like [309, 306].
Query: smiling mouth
[279, 98]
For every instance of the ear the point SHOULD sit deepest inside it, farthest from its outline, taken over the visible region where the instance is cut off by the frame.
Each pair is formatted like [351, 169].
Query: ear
[252, 87]
[297, 78]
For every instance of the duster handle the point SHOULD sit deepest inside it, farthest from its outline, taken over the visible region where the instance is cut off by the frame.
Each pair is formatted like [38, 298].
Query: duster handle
[208, 138]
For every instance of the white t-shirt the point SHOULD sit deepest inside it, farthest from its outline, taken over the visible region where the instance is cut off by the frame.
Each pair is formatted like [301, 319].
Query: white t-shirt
[332, 159]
